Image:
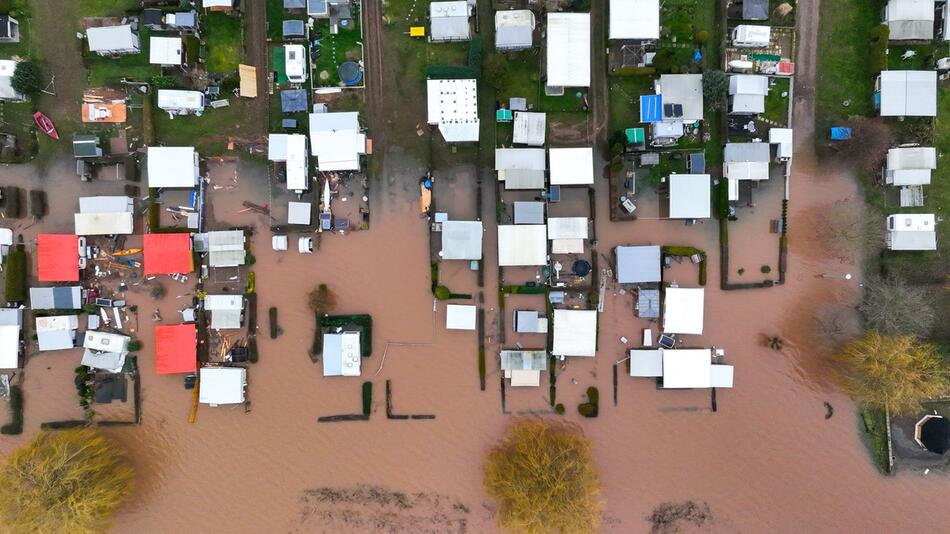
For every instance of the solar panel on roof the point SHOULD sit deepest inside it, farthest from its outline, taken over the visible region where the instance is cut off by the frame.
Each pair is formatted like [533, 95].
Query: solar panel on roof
[667, 110]
[677, 110]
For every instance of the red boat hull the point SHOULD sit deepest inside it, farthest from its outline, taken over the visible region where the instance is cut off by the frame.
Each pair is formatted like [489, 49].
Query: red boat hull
[45, 125]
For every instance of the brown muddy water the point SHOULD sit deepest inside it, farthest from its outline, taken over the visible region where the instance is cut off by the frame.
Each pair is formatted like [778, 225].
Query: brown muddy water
[766, 461]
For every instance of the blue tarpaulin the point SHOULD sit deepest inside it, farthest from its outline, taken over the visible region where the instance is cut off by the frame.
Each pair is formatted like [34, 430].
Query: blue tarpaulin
[651, 108]
[839, 133]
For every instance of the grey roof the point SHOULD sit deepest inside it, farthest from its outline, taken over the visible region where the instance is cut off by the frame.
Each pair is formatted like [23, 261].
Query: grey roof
[747, 152]
[529, 322]
[294, 28]
[462, 240]
[226, 319]
[755, 9]
[317, 7]
[186, 19]
[110, 387]
[638, 265]
[11, 316]
[85, 145]
[529, 212]
[524, 360]
[56, 298]
[295, 4]
[648, 303]
[293, 100]
[514, 37]
[226, 249]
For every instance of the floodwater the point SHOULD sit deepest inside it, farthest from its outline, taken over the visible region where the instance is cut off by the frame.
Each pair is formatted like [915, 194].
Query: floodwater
[767, 460]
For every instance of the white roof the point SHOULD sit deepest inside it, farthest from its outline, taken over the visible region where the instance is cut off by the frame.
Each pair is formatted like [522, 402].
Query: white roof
[105, 204]
[55, 339]
[217, 3]
[170, 166]
[106, 342]
[720, 376]
[752, 34]
[112, 38]
[56, 332]
[104, 223]
[690, 196]
[910, 19]
[522, 245]
[295, 61]
[9, 346]
[915, 157]
[449, 21]
[514, 29]
[520, 159]
[108, 361]
[459, 317]
[747, 170]
[748, 93]
[521, 168]
[298, 213]
[910, 165]
[164, 50]
[687, 368]
[646, 362]
[683, 310]
[575, 333]
[221, 385]
[568, 50]
[336, 141]
[462, 240]
[292, 150]
[685, 90]
[524, 378]
[571, 166]
[224, 302]
[908, 93]
[226, 248]
[567, 228]
[341, 354]
[912, 231]
[453, 106]
[783, 137]
[529, 128]
[57, 322]
[7, 68]
[635, 19]
[175, 99]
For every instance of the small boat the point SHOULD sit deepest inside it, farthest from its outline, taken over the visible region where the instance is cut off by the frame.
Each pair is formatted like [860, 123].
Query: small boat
[127, 252]
[45, 125]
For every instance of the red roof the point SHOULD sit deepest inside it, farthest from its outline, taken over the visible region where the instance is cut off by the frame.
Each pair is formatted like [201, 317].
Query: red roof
[175, 349]
[57, 257]
[167, 253]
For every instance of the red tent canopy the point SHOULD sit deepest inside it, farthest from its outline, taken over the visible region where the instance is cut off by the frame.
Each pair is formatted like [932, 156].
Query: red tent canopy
[175, 349]
[57, 257]
[167, 253]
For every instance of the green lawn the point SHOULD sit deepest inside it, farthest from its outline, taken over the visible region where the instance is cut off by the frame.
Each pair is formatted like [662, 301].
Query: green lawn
[523, 78]
[776, 105]
[107, 8]
[207, 133]
[275, 19]
[625, 92]
[106, 70]
[844, 72]
[17, 117]
[20, 10]
[223, 36]
[682, 21]
[406, 12]
[924, 58]
[336, 49]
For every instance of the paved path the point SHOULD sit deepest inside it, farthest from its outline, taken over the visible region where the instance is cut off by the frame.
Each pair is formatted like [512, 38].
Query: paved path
[803, 117]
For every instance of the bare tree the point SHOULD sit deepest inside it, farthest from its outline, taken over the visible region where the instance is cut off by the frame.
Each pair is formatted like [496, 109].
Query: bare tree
[867, 148]
[896, 309]
[847, 228]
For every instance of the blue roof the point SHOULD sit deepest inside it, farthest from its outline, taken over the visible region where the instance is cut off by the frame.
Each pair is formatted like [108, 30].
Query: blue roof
[293, 100]
[651, 108]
